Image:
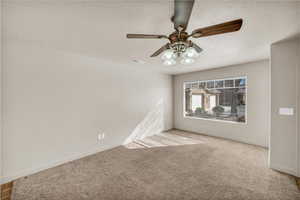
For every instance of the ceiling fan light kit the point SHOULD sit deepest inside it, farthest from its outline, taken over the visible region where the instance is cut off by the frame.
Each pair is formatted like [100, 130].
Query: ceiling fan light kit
[179, 46]
[185, 54]
[187, 61]
[169, 54]
[169, 62]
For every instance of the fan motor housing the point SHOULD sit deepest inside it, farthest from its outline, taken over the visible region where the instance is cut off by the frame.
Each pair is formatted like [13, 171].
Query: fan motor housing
[178, 37]
[179, 47]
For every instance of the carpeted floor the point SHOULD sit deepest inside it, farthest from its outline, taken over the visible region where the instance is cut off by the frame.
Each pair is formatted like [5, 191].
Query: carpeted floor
[212, 169]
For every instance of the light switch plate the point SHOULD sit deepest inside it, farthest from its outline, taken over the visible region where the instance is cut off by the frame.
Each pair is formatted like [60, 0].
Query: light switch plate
[286, 111]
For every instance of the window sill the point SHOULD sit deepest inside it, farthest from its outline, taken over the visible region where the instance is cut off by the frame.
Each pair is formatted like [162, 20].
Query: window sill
[215, 120]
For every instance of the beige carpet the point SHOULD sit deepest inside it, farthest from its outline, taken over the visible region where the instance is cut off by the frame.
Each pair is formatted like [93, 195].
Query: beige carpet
[213, 169]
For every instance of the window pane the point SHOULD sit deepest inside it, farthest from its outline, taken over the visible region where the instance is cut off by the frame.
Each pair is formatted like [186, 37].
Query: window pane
[210, 84]
[196, 101]
[187, 85]
[227, 104]
[240, 82]
[219, 84]
[194, 85]
[228, 83]
[202, 85]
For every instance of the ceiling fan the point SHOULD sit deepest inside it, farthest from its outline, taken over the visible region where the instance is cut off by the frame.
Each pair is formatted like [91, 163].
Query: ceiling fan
[180, 45]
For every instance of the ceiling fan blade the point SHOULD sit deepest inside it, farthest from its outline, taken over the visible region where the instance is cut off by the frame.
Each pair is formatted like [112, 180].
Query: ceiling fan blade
[145, 36]
[159, 51]
[196, 47]
[182, 13]
[226, 27]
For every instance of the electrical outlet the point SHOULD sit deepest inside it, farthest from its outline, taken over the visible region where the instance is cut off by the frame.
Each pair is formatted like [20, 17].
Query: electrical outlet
[101, 136]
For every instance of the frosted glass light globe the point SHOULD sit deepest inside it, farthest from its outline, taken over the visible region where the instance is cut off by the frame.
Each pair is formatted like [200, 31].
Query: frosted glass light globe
[187, 61]
[168, 54]
[190, 52]
[169, 62]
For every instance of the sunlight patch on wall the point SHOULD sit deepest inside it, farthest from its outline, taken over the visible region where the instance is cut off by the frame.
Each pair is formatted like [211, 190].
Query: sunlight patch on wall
[152, 124]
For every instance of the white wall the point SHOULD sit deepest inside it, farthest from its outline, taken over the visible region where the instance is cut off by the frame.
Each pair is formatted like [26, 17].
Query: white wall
[256, 131]
[285, 69]
[56, 102]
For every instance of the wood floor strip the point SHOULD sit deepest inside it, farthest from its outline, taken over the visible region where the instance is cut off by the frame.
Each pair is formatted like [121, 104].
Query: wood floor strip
[6, 191]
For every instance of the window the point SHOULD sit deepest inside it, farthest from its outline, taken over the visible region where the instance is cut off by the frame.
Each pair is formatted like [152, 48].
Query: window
[229, 83]
[202, 85]
[210, 84]
[219, 84]
[223, 99]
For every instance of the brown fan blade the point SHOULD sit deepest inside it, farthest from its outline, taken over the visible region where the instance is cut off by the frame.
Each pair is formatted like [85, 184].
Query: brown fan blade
[159, 51]
[145, 36]
[182, 13]
[226, 27]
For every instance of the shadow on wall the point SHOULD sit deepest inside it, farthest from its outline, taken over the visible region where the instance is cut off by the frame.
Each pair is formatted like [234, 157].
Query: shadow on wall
[152, 124]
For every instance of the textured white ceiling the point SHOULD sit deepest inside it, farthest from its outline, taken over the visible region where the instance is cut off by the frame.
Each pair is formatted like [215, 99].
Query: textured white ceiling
[98, 29]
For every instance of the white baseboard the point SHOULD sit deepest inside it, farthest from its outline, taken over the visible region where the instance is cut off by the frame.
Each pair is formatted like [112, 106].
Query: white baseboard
[284, 169]
[27, 172]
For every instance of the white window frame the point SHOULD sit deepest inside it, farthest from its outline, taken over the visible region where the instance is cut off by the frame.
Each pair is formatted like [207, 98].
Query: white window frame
[220, 79]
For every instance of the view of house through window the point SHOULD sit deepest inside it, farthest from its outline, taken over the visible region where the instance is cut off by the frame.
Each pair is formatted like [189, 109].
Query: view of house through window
[223, 99]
